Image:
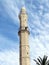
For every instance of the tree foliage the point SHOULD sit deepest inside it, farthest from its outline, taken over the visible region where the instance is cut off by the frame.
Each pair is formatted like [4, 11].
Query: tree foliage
[42, 61]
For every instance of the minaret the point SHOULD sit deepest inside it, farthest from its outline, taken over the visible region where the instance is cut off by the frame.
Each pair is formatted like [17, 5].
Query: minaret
[24, 33]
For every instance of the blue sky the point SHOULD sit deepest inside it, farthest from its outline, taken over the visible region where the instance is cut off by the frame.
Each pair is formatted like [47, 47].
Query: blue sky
[38, 24]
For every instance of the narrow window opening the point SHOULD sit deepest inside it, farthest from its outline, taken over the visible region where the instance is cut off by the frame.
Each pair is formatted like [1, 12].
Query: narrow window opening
[27, 52]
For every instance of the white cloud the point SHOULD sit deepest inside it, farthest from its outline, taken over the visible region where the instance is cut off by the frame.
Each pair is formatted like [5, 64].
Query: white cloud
[6, 44]
[9, 58]
[11, 8]
[37, 48]
[39, 43]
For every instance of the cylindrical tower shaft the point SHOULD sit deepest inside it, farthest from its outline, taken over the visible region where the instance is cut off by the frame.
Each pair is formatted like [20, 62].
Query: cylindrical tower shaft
[23, 33]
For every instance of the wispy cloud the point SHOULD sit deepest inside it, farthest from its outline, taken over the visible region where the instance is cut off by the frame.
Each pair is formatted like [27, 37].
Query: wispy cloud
[38, 23]
[39, 29]
[38, 47]
[9, 58]
[11, 9]
[7, 44]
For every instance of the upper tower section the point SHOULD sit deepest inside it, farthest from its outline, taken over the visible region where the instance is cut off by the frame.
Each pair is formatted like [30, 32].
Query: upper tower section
[23, 18]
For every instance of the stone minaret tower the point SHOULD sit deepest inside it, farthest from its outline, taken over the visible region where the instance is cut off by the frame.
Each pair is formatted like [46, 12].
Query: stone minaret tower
[23, 33]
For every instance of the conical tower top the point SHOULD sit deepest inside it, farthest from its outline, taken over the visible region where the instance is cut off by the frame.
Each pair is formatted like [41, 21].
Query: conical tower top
[23, 9]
